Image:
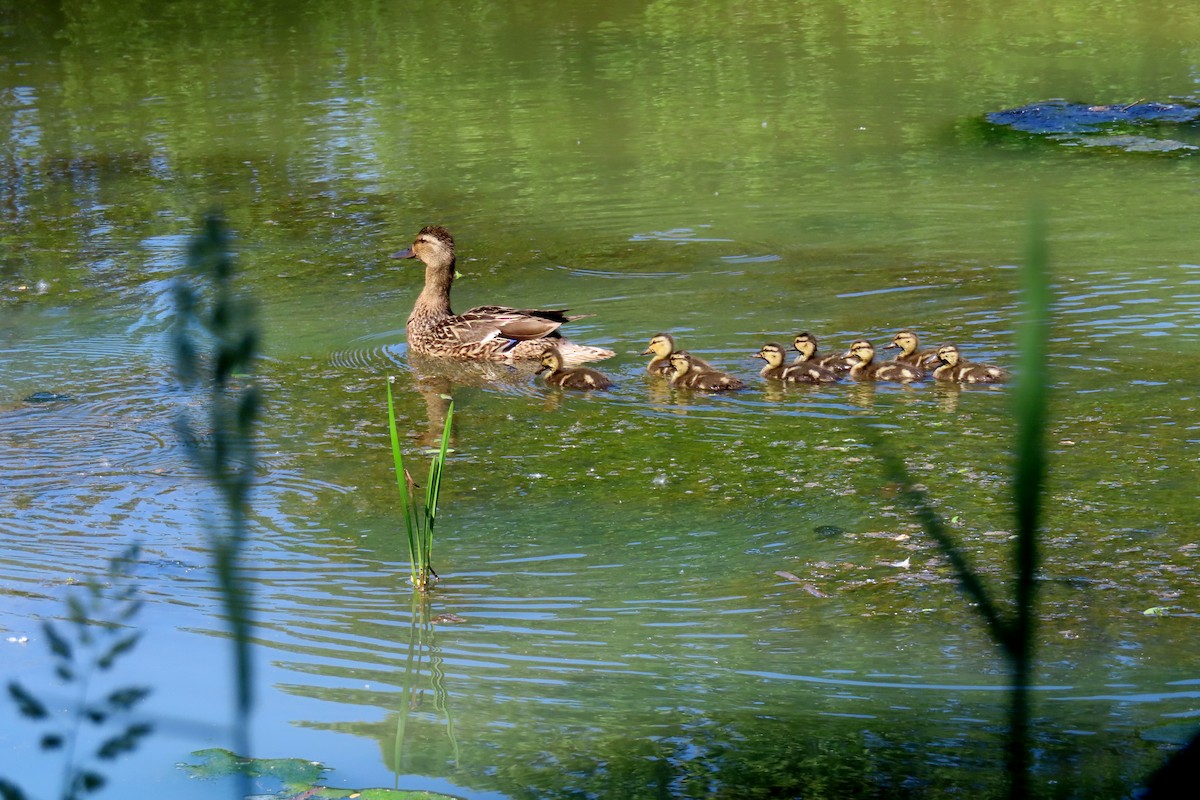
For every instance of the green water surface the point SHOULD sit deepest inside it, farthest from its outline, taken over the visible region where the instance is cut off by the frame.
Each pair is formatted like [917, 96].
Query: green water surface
[732, 172]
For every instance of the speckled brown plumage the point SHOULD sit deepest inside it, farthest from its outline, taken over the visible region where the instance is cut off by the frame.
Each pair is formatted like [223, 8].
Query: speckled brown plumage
[485, 333]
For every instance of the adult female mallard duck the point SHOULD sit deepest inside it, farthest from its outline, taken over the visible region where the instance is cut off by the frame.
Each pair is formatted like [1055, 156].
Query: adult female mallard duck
[662, 345]
[908, 343]
[685, 374]
[569, 377]
[806, 345]
[486, 333]
[953, 367]
[800, 372]
[867, 369]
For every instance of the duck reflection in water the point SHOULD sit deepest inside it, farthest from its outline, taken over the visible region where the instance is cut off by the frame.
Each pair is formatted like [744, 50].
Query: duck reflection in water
[436, 378]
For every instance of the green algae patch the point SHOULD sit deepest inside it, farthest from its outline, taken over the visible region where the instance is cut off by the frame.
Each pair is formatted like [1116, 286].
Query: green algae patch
[219, 763]
[1132, 128]
[295, 778]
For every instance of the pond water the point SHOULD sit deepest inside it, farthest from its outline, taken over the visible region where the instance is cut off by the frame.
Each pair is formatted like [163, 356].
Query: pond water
[732, 173]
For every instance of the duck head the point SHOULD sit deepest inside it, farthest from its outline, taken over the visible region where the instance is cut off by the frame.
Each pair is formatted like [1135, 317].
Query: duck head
[863, 350]
[905, 340]
[552, 361]
[661, 345]
[433, 245]
[948, 354]
[681, 362]
[805, 344]
[771, 353]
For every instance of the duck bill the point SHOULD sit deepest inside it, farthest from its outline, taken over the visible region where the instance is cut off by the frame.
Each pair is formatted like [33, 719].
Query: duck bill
[405, 253]
[646, 352]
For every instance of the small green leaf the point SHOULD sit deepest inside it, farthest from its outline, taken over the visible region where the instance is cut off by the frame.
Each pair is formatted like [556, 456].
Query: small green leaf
[1158, 611]
[119, 647]
[10, 791]
[126, 742]
[58, 645]
[131, 608]
[125, 699]
[91, 781]
[27, 704]
[75, 610]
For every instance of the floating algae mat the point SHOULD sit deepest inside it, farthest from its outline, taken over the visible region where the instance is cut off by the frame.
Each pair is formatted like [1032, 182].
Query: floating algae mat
[286, 778]
[1121, 127]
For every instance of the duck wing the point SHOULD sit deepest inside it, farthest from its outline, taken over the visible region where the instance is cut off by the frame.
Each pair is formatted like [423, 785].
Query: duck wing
[517, 324]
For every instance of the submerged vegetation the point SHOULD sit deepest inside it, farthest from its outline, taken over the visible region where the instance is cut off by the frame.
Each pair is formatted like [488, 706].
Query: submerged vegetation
[419, 518]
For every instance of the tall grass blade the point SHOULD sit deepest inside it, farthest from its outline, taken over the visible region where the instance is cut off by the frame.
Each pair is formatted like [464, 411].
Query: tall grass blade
[1013, 633]
[1030, 408]
[418, 522]
[434, 489]
[404, 485]
[1031, 399]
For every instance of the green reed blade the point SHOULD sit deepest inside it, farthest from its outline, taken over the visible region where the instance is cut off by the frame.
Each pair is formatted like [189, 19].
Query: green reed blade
[415, 565]
[434, 487]
[1030, 408]
[1029, 474]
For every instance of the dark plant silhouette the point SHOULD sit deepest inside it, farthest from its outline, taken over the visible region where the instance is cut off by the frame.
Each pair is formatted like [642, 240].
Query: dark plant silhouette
[96, 634]
[215, 341]
[1012, 632]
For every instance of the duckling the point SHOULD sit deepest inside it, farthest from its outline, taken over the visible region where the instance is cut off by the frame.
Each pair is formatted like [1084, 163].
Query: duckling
[485, 333]
[800, 372]
[865, 370]
[688, 376]
[571, 377]
[662, 345]
[956, 368]
[806, 345]
[908, 343]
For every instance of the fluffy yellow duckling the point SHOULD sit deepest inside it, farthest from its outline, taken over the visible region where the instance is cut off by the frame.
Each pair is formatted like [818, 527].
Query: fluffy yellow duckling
[867, 369]
[806, 345]
[953, 367]
[662, 345]
[569, 377]
[800, 372]
[908, 343]
[686, 374]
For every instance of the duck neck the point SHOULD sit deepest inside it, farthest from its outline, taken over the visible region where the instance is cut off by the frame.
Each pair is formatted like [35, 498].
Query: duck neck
[434, 299]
